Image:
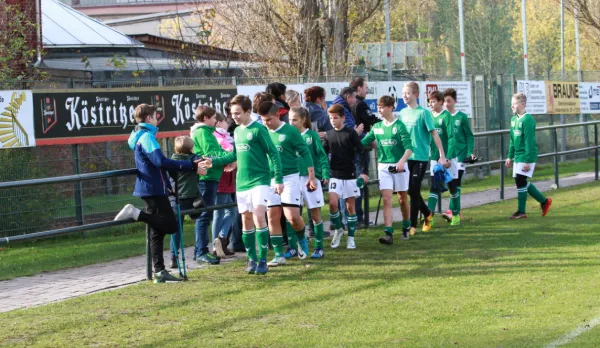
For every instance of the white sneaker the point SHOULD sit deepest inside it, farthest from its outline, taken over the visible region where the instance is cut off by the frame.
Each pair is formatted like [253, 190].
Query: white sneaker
[277, 261]
[128, 212]
[351, 244]
[337, 238]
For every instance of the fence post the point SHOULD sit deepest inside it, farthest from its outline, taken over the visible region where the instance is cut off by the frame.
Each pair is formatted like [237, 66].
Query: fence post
[161, 81]
[596, 150]
[77, 187]
[555, 148]
[366, 205]
[148, 255]
[500, 108]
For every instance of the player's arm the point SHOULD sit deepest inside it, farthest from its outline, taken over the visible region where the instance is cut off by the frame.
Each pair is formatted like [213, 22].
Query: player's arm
[469, 138]
[360, 149]
[530, 140]
[511, 149]
[368, 139]
[269, 148]
[428, 120]
[322, 158]
[408, 148]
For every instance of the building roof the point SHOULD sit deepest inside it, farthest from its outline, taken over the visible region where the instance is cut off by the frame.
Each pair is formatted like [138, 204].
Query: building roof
[134, 64]
[64, 27]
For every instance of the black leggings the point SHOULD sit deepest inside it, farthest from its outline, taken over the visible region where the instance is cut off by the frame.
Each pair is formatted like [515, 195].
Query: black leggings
[417, 173]
[452, 185]
[160, 217]
[521, 180]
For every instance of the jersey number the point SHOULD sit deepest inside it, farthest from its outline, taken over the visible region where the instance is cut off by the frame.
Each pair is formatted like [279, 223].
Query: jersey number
[332, 186]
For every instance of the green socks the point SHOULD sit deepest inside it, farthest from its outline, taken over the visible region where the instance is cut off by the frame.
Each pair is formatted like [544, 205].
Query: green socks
[277, 242]
[335, 220]
[389, 230]
[405, 224]
[319, 235]
[522, 199]
[263, 243]
[249, 239]
[537, 195]
[352, 219]
[291, 235]
[455, 201]
[300, 234]
[433, 200]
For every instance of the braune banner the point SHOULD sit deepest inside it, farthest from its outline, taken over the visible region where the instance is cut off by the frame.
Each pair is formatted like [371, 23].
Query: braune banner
[89, 116]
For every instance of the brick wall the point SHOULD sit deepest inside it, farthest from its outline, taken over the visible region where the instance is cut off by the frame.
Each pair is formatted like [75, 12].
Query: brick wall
[28, 8]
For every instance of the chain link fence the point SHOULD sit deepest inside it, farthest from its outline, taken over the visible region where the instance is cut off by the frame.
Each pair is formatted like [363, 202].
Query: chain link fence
[24, 211]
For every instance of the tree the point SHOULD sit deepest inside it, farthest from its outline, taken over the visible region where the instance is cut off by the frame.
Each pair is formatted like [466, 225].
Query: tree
[16, 52]
[295, 37]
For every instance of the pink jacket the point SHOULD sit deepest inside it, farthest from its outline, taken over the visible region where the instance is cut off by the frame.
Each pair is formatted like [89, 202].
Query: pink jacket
[227, 182]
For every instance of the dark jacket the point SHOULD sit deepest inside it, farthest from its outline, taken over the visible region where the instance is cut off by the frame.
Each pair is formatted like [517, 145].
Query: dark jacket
[187, 182]
[284, 109]
[318, 117]
[349, 119]
[363, 115]
[151, 163]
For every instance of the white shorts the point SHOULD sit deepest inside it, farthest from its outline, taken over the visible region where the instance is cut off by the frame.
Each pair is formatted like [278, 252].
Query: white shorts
[313, 199]
[344, 188]
[249, 200]
[518, 169]
[455, 166]
[397, 182]
[291, 194]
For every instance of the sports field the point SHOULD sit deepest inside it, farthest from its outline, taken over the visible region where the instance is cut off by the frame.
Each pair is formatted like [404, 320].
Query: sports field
[491, 282]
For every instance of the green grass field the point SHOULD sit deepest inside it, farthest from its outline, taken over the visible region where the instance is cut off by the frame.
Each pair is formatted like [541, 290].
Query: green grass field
[491, 282]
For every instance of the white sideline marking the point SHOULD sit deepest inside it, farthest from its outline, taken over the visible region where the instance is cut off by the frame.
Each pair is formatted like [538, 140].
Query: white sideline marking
[573, 334]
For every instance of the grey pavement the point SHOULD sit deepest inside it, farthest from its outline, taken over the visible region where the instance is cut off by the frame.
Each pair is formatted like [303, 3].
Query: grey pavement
[50, 287]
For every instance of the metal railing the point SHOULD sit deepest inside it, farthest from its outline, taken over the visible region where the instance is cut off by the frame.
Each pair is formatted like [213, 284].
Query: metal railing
[78, 179]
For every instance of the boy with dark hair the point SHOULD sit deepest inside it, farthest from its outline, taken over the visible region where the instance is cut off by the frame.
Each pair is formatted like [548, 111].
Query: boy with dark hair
[153, 187]
[522, 155]
[343, 144]
[460, 147]
[441, 122]
[253, 151]
[290, 144]
[394, 148]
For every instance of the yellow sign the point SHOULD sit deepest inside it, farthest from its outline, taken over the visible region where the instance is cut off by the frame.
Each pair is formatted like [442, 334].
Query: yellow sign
[562, 97]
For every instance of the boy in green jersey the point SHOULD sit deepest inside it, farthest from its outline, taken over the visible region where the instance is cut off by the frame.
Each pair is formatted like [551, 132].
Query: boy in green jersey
[522, 154]
[313, 196]
[254, 151]
[460, 147]
[394, 148]
[441, 121]
[419, 123]
[290, 144]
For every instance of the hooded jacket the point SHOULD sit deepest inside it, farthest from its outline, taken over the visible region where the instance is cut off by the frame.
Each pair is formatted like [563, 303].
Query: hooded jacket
[151, 163]
[349, 119]
[318, 117]
[206, 144]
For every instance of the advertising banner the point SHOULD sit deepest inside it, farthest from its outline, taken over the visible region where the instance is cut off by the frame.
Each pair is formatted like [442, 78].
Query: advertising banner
[562, 97]
[463, 94]
[535, 91]
[16, 119]
[589, 97]
[88, 116]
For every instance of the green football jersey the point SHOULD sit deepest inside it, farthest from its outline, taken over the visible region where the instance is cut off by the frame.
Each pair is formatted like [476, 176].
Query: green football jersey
[419, 123]
[462, 141]
[255, 154]
[442, 126]
[290, 144]
[318, 158]
[523, 147]
[392, 140]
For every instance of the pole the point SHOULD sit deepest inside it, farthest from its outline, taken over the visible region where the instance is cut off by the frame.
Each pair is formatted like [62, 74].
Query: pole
[524, 20]
[462, 41]
[148, 255]
[388, 43]
[563, 131]
[582, 117]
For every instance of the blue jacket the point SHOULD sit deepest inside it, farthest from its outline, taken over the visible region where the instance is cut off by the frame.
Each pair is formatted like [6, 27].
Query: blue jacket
[349, 119]
[151, 163]
[441, 177]
[318, 117]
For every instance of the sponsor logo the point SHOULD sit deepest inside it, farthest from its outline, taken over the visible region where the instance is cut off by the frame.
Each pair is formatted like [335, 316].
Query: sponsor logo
[242, 147]
[457, 123]
[389, 142]
[512, 124]
[520, 124]
[281, 137]
[309, 141]
[378, 131]
[318, 202]
[440, 130]
[279, 148]
[517, 132]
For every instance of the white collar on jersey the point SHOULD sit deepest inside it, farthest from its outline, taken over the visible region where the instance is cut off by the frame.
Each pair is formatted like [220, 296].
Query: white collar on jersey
[281, 125]
[387, 124]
